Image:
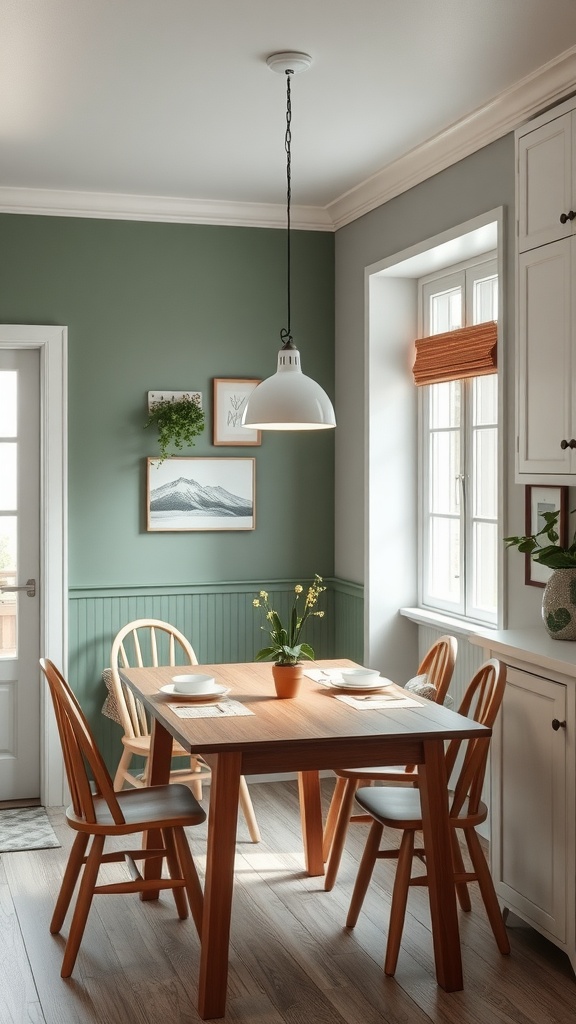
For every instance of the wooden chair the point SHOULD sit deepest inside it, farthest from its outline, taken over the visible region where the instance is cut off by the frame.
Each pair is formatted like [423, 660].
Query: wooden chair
[156, 638]
[438, 666]
[98, 812]
[399, 807]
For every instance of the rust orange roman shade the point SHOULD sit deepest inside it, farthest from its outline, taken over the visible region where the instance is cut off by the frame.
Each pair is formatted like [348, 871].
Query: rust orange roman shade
[467, 352]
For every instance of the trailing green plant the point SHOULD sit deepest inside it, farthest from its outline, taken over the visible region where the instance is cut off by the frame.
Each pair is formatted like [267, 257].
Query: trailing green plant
[553, 555]
[178, 423]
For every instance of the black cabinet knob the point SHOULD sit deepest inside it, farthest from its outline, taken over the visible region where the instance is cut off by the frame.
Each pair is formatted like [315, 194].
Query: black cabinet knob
[558, 725]
[567, 444]
[567, 216]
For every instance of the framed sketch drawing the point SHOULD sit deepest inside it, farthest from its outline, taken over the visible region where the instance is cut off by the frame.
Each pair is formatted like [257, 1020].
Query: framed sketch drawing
[230, 397]
[539, 500]
[200, 494]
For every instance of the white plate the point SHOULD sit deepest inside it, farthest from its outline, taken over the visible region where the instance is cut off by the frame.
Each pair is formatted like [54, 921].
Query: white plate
[373, 687]
[215, 691]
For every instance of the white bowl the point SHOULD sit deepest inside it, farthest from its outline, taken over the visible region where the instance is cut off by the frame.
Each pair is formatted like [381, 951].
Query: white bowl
[361, 677]
[193, 682]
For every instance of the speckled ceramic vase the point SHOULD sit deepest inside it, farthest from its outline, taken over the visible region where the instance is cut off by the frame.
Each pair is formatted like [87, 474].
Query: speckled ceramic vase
[559, 604]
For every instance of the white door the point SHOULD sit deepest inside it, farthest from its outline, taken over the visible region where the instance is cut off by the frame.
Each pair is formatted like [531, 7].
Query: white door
[19, 574]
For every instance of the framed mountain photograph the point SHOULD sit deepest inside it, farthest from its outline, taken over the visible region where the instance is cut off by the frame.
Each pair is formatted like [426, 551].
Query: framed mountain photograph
[200, 494]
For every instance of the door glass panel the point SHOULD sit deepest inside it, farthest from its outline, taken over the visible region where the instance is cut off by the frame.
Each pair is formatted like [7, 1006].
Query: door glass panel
[7, 403]
[8, 499]
[8, 571]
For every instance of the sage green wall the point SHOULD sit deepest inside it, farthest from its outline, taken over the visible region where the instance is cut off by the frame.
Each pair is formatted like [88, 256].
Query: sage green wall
[152, 306]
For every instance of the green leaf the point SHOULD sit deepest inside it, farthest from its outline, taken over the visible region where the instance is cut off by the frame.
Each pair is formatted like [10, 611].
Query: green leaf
[266, 652]
[307, 651]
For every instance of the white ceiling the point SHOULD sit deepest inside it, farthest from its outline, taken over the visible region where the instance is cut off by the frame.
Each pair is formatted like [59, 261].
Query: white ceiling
[172, 99]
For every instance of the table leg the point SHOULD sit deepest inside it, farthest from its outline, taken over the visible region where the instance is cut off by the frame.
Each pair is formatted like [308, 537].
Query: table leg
[222, 822]
[435, 826]
[158, 775]
[311, 818]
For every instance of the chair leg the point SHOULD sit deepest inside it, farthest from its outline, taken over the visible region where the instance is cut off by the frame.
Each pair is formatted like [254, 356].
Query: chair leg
[123, 765]
[196, 784]
[73, 868]
[248, 811]
[399, 900]
[364, 873]
[332, 817]
[487, 890]
[339, 839]
[83, 903]
[175, 872]
[190, 875]
[459, 868]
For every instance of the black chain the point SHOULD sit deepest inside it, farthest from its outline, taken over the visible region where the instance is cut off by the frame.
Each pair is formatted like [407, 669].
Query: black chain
[286, 334]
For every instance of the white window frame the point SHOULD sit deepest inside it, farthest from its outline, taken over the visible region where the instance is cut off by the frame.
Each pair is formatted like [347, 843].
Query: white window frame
[463, 275]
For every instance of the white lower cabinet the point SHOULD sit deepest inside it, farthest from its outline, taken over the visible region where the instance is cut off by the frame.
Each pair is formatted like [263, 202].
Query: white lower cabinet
[533, 787]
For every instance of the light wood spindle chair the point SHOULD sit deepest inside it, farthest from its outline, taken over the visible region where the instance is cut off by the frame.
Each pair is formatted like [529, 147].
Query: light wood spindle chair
[438, 667]
[139, 644]
[98, 813]
[399, 807]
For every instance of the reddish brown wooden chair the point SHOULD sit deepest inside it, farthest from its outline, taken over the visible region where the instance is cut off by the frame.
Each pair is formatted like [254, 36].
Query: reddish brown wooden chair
[98, 813]
[399, 807]
[438, 666]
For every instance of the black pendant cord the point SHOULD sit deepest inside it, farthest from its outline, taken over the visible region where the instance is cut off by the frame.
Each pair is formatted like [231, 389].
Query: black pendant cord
[286, 334]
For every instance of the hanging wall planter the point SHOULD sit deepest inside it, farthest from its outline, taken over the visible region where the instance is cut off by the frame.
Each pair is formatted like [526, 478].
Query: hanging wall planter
[179, 418]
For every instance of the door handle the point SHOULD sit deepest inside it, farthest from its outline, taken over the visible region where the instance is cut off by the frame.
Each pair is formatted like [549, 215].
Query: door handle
[29, 587]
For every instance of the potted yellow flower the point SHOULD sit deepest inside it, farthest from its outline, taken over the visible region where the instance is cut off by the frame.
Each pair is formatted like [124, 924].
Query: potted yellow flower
[286, 646]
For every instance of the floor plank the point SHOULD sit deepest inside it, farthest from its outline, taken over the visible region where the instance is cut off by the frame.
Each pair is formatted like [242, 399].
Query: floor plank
[292, 961]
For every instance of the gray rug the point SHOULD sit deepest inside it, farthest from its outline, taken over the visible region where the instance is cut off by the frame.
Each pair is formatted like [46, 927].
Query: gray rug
[25, 828]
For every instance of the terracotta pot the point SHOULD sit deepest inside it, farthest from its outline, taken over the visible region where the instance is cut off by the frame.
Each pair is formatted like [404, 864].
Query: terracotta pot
[287, 679]
[559, 604]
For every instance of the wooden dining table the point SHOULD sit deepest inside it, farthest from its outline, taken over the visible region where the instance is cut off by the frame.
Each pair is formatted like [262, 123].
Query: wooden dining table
[304, 735]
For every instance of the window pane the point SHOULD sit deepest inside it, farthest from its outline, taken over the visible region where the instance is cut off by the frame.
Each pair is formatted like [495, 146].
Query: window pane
[8, 577]
[445, 472]
[485, 473]
[485, 544]
[7, 403]
[485, 300]
[446, 311]
[8, 476]
[444, 575]
[445, 402]
[485, 400]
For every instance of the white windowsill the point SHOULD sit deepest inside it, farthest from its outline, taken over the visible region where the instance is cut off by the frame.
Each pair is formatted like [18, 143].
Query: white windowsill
[426, 617]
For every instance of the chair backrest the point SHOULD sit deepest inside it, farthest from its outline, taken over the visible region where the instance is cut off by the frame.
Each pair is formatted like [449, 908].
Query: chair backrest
[79, 751]
[481, 702]
[438, 664]
[139, 644]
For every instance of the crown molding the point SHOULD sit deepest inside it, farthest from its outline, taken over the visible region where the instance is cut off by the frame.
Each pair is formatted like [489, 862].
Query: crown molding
[543, 88]
[111, 206]
[506, 112]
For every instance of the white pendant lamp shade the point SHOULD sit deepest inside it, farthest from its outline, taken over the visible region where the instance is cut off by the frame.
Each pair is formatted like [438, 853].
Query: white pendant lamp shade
[289, 400]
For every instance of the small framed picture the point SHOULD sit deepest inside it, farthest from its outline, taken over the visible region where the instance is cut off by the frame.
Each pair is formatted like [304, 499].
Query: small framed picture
[200, 494]
[540, 500]
[230, 397]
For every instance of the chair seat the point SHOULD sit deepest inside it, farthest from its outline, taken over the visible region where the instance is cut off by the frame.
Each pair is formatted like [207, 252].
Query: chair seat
[400, 806]
[395, 772]
[156, 806]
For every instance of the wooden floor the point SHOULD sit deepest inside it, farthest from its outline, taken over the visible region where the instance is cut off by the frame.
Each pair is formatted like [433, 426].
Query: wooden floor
[291, 959]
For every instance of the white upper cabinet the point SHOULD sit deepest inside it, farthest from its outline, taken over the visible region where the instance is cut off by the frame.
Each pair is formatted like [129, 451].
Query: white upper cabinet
[546, 298]
[547, 183]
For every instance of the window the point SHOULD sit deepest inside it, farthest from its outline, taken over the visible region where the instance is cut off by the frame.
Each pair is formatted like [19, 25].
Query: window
[459, 455]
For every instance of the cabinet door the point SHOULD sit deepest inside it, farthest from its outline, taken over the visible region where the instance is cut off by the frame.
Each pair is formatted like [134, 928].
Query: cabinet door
[545, 183]
[544, 361]
[529, 810]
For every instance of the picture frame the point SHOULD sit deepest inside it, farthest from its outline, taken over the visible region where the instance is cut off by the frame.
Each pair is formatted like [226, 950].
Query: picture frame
[230, 397]
[540, 499]
[200, 494]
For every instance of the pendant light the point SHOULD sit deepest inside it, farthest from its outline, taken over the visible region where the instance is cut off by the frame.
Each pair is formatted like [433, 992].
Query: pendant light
[289, 400]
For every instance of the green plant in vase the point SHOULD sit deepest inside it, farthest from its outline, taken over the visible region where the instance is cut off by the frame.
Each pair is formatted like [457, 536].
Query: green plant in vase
[553, 554]
[178, 423]
[559, 597]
